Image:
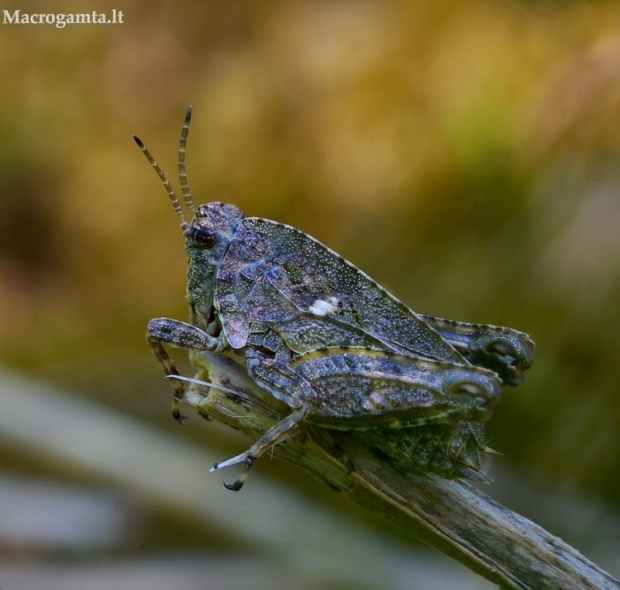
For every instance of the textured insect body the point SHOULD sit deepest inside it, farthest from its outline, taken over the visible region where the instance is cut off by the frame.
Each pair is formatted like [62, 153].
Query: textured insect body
[321, 335]
[365, 389]
[278, 275]
[450, 450]
[262, 272]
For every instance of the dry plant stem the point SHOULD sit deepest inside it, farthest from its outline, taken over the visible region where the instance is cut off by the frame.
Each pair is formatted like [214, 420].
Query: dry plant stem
[449, 515]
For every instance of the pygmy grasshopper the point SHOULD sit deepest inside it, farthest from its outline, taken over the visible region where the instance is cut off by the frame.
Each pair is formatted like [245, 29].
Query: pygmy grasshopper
[320, 334]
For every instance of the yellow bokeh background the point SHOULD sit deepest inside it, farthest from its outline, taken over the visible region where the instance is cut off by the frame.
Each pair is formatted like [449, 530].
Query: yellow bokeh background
[466, 155]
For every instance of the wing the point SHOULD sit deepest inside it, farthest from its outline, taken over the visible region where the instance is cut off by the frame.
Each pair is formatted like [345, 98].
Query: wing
[286, 280]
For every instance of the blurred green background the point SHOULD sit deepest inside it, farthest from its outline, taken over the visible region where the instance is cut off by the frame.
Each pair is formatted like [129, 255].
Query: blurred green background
[466, 155]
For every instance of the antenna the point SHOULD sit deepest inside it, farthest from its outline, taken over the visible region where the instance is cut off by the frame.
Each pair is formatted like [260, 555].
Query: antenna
[171, 193]
[187, 197]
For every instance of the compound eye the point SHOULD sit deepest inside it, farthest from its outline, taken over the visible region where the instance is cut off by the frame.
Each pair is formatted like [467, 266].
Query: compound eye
[202, 237]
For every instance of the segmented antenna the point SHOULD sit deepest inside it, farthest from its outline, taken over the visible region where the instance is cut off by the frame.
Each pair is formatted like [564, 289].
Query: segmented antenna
[171, 193]
[187, 197]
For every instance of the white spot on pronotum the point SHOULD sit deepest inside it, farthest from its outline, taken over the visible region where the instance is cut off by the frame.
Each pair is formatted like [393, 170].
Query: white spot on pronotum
[323, 307]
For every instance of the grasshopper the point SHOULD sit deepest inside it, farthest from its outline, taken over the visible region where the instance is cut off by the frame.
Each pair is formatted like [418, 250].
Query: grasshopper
[287, 304]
